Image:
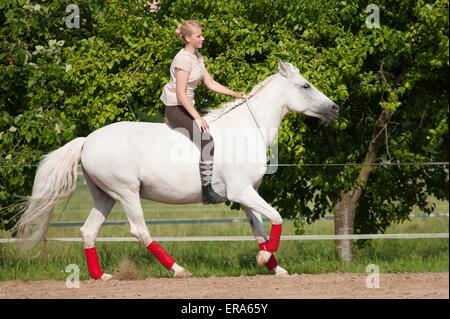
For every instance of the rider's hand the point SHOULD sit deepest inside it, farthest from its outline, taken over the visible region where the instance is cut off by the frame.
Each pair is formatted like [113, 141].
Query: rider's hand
[240, 95]
[202, 124]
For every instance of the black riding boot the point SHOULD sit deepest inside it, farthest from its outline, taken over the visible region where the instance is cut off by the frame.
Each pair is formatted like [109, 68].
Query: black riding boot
[209, 196]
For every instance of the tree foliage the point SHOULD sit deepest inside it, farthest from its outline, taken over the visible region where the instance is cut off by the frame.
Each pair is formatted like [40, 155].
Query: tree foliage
[58, 82]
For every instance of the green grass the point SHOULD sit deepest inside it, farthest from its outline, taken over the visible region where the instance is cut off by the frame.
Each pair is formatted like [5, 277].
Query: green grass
[221, 258]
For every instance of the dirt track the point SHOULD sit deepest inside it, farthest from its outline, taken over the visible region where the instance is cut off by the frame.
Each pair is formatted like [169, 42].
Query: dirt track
[334, 285]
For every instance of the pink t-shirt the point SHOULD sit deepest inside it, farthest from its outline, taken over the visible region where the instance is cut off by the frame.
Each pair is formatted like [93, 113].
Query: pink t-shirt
[192, 63]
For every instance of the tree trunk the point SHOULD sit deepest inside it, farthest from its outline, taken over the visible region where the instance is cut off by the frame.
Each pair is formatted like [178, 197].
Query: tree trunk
[347, 202]
[344, 216]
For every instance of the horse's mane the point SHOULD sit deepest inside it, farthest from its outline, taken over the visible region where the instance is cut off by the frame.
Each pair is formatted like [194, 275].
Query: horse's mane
[214, 114]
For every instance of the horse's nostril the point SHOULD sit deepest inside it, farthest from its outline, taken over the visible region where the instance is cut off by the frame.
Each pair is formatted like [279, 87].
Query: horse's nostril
[335, 108]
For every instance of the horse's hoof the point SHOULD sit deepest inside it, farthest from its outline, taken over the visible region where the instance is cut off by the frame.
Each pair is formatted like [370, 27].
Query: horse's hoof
[182, 274]
[262, 258]
[105, 277]
[281, 273]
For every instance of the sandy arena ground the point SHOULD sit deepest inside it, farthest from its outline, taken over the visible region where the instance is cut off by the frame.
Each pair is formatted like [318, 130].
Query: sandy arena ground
[333, 285]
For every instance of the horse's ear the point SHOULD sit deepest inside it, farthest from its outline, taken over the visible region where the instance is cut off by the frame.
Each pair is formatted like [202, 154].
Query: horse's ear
[286, 69]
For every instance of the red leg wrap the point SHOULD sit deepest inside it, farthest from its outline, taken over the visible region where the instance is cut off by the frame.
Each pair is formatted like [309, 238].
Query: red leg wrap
[92, 262]
[274, 238]
[272, 263]
[163, 257]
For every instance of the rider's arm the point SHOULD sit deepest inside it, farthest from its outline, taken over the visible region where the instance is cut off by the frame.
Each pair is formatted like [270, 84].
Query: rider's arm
[217, 87]
[182, 78]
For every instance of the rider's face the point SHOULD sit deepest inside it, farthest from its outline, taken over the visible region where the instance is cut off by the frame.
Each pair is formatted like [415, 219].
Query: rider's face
[196, 39]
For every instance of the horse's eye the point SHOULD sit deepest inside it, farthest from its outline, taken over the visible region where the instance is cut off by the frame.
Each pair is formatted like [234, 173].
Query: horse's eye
[306, 86]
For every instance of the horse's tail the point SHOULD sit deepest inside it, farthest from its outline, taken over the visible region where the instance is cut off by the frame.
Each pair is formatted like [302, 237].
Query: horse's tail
[55, 179]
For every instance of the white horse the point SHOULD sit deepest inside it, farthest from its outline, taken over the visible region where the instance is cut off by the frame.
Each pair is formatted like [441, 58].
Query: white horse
[126, 161]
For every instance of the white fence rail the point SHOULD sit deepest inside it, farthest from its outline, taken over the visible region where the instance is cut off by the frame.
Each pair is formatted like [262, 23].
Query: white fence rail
[206, 221]
[250, 238]
[238, 238]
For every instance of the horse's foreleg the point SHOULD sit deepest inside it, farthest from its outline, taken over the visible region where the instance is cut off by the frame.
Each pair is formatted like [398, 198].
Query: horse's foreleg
[132, 207]
[102, 206]
[257, 226]
[250, 198]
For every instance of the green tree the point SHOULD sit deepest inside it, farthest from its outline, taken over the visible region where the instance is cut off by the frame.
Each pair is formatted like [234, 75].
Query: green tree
[33, 92]
[392, 83]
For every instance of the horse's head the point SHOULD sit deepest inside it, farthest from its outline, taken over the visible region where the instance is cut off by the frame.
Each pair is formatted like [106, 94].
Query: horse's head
[302, 97]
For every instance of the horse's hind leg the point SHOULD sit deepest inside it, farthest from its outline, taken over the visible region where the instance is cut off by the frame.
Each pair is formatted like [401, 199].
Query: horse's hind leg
[103, 204]
[132, 206]
[257, 225]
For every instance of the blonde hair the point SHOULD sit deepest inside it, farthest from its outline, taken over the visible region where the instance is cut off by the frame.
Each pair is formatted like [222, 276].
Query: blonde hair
[187, 28]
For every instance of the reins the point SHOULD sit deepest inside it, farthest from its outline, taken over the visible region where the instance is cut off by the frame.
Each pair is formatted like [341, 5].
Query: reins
[246, 101]
[256, 121]
[268, 149]
[236, 104]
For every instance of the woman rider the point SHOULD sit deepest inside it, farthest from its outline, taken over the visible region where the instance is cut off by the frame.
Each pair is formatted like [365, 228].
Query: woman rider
[187, 71]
